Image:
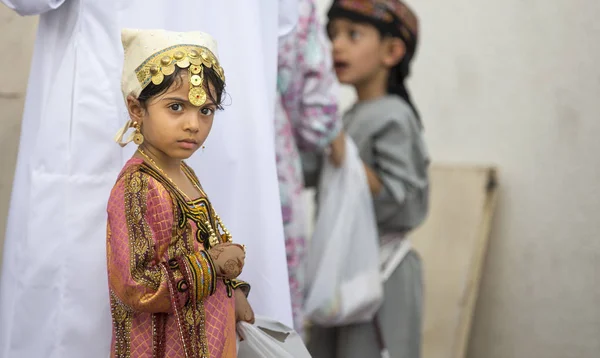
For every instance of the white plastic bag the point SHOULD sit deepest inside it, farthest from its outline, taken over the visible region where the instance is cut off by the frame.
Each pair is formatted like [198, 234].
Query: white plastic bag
[343, 267]
[267, 338]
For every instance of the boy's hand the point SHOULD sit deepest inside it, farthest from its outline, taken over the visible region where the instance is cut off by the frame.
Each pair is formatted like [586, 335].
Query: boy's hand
[338, 150]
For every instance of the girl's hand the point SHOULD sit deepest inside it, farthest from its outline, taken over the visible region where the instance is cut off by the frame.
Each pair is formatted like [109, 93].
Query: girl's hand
[338, 150]
[229, 259]
[243, 310]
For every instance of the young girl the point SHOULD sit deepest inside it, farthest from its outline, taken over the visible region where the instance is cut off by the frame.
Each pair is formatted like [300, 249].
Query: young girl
[373, 44]
[172, 267]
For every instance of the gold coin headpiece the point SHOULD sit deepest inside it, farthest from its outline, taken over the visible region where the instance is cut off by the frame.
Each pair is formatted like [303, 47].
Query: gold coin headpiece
[150, 55]
[191, 57]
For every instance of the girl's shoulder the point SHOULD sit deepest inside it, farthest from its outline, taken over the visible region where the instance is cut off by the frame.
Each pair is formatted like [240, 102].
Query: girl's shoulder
[132, 166]
[135, 177]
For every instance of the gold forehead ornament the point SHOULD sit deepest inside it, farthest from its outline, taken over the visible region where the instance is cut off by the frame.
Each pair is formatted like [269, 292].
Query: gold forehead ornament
[194, 58]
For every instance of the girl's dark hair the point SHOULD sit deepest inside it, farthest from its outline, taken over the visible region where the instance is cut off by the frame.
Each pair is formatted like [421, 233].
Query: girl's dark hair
[216, 94]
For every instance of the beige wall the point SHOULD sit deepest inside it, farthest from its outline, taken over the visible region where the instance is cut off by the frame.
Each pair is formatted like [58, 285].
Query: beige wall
[16, 47]
[517, 84]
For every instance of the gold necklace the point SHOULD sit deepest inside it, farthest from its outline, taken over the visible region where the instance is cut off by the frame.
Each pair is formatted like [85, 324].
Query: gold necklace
[213, 238]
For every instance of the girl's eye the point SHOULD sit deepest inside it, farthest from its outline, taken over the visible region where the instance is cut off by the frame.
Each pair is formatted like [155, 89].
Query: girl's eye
[207, 111]
[354, 35]
[176, 107]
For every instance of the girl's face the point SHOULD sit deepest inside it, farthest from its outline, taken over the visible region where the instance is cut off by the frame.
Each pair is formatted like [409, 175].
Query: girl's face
[173, 126]
[357, 50]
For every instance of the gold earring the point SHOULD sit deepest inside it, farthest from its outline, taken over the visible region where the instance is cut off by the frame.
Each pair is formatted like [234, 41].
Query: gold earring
[203, 148]
[138, 137]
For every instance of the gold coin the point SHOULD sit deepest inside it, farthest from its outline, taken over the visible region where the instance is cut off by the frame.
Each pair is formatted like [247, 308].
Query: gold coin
[193, 54]
[196, 61]
[178, 56]
[207, 63]
[185, 63]
[165, 61]
[158, 78]
[138, 138]
[154, 70]
[197, 96]
[196, 80]
[168, 70]
[220, 72]
[196, 69]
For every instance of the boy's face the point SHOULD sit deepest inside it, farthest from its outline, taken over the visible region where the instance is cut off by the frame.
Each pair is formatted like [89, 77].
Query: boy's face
[357, 51]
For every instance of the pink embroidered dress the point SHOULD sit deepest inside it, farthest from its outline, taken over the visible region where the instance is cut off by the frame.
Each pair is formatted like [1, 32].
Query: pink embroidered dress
[166, 299]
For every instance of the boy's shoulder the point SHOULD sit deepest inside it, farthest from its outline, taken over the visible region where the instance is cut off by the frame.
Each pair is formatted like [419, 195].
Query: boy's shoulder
[384, 111]
[394, 108]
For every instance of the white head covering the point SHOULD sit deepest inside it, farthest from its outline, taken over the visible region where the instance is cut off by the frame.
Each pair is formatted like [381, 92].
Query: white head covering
[150, 55]
[141, 46]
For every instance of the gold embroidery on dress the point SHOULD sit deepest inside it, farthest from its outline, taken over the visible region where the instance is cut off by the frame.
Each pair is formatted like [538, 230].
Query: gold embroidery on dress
[203, 215]
[203, 340]
[181, 240]
[122, 318]
[140, 234]
[197, 328]
[189, 315]
[193, 324]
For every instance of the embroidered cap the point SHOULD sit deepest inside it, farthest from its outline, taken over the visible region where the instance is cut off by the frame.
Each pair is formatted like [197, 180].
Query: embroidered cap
[150, 55]
[390, 16]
